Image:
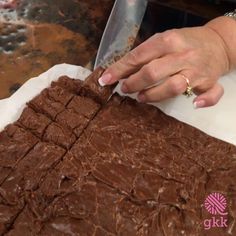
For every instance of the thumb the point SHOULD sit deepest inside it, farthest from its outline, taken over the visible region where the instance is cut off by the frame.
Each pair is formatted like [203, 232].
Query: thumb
[210, 97]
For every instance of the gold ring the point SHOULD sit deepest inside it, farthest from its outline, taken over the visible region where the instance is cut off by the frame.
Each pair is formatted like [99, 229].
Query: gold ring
[189, 90]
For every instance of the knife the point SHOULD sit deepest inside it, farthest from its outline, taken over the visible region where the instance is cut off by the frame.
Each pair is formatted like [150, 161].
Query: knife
[121, 31]
[118, 38]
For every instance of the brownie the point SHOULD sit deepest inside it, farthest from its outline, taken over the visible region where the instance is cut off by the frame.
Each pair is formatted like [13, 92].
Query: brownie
[88, 166]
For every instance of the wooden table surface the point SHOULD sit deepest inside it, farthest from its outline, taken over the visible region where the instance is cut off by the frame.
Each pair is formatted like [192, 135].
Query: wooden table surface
[37, 34]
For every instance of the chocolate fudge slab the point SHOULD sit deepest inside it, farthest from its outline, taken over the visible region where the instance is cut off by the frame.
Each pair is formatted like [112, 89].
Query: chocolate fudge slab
[157, 162]
[131, 170]
[33, 122]
[82, 208]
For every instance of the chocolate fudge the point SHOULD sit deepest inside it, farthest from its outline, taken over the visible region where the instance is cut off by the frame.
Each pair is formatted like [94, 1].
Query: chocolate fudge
[92, 89]
[77, 164]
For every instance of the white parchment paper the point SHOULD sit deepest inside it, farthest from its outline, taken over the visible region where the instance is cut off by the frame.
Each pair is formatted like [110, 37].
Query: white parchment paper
[218, 121]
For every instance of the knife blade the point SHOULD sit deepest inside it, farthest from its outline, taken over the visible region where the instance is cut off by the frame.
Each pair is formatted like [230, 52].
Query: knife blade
[121, 31]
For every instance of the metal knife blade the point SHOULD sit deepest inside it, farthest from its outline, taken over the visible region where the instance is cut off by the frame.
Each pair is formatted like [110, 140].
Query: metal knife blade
[121, 31]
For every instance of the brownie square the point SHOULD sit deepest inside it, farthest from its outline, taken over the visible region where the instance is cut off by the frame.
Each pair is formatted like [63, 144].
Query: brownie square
[66, 83]
[84, 106]
[72, 121]
[45, 105]
[59, 135]
[34, 122]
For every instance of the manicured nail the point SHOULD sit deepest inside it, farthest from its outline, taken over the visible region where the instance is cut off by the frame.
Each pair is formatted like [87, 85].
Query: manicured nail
[124, 88]
[105, 79]
[199, 104]
[141, 98]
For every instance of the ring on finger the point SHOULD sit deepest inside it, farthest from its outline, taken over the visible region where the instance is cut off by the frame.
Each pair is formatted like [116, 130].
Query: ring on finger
[189, 90]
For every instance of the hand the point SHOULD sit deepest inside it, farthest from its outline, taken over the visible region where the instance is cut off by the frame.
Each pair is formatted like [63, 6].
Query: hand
[157, 68]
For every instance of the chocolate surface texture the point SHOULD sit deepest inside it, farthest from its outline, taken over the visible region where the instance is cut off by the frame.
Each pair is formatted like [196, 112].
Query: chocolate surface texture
[74, 164]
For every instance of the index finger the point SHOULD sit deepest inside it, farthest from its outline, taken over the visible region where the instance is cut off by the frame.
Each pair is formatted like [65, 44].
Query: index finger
[134, 60]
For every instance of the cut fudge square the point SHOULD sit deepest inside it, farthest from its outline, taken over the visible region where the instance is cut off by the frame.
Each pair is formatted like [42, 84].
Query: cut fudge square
[7, 216]
[62, 179]
[71, 85]
[72, 121]
[44, 104]
[84, 106]
[30, 171]
[27, 225]
[59, 135]
[13, 148]
[92, 89]
[59, 94]
[21, 135]
[33, 121]
[23, 225]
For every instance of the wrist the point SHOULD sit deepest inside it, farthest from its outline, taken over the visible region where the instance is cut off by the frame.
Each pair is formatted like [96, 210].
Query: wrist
[225, 28]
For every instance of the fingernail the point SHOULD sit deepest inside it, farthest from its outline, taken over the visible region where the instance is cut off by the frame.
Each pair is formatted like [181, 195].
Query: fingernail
[141, 98]
[124, 88]
[199, 104]
[105, 79]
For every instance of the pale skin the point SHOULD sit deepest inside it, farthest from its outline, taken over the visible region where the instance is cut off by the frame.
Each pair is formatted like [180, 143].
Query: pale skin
[157, 68]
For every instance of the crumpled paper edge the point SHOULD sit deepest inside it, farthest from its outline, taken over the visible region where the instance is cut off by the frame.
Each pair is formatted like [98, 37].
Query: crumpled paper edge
[217, 121]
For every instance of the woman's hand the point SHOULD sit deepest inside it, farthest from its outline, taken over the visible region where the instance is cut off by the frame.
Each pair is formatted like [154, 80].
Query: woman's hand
[158, 68]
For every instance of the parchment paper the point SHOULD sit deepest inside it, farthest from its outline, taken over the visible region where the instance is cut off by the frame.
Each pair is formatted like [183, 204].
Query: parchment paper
[218, 121]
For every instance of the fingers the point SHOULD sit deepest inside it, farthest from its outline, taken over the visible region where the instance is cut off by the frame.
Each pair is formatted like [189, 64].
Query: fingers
[176, 85]
[210, 97]
[155, 47]
[153, 73]
[172, 87]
